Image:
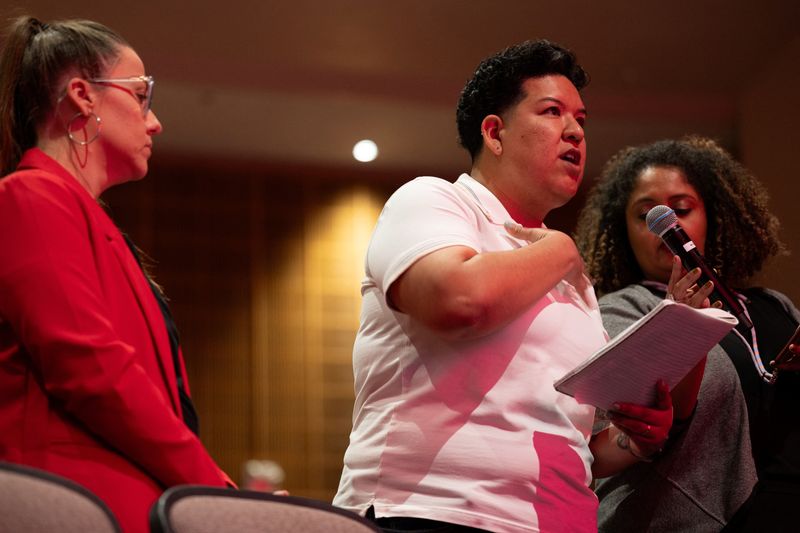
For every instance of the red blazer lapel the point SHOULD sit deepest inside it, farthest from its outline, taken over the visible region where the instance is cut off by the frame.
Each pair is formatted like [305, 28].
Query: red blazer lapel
[150, 310]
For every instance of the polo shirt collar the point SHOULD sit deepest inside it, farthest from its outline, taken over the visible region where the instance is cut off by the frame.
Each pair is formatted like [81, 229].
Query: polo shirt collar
[487, 202]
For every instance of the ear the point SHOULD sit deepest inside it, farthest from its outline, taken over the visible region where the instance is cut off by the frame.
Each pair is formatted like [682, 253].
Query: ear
[81, 95]
[490, 131]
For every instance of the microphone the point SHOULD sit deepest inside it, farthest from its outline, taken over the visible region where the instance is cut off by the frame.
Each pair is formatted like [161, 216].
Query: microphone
[662, 221]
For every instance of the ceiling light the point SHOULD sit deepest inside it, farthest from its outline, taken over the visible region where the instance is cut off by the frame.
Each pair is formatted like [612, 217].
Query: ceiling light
[365, 151]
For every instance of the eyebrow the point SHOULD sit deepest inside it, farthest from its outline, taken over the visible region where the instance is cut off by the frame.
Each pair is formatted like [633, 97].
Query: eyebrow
[582, 110]
[672, 198]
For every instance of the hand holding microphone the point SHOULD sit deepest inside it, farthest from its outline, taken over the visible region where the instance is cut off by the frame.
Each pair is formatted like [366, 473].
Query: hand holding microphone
[686, 289]
[662, 221]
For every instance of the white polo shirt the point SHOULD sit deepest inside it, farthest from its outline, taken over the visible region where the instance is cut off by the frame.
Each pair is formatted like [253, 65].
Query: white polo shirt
[469, 432]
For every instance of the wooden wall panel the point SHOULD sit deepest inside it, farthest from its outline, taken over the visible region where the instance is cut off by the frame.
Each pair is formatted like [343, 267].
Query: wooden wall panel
[263, 275]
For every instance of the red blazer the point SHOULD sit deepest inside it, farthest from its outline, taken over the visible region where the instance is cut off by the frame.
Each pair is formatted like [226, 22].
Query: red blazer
[87, 383]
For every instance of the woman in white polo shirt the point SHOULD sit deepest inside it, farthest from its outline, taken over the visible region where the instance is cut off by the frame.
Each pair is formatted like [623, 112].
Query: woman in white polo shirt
[464, 327]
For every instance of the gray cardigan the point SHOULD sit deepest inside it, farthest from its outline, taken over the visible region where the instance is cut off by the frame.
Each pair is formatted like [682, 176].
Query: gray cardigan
[707, 471]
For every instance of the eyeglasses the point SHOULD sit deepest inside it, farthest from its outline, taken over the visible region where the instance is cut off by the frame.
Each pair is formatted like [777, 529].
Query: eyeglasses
[145, 100]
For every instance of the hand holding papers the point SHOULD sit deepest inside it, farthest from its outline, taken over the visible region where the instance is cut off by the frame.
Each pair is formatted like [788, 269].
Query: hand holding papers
[666, 344]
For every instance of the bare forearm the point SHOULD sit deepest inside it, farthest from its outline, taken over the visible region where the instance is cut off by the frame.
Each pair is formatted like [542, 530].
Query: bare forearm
[464, 294]
[609, 457]
[508, 283]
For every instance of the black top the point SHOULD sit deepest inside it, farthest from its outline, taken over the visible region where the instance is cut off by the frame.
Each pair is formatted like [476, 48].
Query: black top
[774, 410]
[188, 412]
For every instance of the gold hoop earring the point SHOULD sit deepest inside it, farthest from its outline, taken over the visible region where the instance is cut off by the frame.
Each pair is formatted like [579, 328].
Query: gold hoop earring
[96, 133]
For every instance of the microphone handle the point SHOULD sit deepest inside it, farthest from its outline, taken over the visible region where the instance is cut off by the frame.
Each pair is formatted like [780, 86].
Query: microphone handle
[681, 245]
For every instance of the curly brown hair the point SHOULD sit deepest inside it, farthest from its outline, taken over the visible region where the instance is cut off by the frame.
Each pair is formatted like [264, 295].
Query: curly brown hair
[741, 234]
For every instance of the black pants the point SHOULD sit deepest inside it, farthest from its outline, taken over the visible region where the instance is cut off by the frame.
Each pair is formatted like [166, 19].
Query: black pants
[404, 524]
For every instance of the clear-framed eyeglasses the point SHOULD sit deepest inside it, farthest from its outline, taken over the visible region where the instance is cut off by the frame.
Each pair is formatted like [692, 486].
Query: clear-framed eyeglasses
[145, 96]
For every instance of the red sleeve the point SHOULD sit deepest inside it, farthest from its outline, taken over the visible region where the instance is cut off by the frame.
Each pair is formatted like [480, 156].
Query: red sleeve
[51, 294]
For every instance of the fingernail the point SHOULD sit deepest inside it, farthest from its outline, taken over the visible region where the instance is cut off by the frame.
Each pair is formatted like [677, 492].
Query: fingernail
[695, 271]
[510, 224]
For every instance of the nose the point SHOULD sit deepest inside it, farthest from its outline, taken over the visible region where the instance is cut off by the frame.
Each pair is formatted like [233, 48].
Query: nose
[153, 125]
[573, 131]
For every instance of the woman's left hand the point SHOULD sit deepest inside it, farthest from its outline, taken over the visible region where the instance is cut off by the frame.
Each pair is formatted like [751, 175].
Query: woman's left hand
[647, 427]
[684, 289]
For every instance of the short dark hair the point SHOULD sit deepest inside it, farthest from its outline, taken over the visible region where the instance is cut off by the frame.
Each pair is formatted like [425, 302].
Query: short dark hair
[741, 233]
[33, 61]
[496, 84]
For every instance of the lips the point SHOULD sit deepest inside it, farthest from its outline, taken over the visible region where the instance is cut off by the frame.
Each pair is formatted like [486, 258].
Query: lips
[571, 156]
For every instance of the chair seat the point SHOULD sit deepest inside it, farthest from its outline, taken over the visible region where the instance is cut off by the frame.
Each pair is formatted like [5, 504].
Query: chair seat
[34, 501]
[199, 509]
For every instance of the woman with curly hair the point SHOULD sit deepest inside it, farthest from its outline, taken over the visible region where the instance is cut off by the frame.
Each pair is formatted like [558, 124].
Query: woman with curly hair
[736, 449]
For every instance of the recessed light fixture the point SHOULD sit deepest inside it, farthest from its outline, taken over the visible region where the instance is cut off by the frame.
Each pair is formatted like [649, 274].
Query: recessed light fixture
[365, 151]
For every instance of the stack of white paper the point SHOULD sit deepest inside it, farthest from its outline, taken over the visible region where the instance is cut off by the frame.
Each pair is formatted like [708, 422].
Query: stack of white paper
[665, 344]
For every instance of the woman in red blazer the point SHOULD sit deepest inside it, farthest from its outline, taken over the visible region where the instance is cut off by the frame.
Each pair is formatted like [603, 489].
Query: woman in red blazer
[92, 384]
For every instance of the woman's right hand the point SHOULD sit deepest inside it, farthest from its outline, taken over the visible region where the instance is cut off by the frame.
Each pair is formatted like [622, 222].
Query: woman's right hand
[684, 289]
[646, 427]
[576, 276]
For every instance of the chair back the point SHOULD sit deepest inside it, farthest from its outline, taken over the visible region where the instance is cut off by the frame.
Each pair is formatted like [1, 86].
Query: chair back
[34, 501]
[200, 509]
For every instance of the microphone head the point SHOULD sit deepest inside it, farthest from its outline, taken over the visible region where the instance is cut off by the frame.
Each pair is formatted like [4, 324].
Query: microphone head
[660, 218]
